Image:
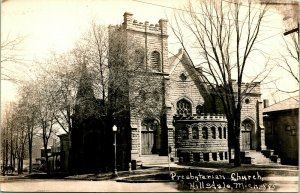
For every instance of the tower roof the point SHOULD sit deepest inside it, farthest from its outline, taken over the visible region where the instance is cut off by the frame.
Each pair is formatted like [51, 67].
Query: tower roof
[85, 88]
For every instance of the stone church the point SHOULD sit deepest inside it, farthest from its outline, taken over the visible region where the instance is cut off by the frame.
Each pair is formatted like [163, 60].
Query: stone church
[176, 113]
[160, 105]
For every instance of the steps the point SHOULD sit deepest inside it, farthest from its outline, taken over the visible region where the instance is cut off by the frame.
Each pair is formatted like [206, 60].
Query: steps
[259, 158]
[152, 160]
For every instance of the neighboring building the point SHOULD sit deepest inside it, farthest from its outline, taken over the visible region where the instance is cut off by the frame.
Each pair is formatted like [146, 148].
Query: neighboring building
[64, 151]
[281, 123]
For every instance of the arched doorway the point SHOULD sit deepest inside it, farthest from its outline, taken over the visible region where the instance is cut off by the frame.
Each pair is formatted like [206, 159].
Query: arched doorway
[247, 128]
[149, 136]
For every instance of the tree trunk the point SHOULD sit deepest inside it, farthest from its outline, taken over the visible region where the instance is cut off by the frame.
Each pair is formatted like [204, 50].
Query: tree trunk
[237, 133]
[230, 139]
[30, 157]
[47, 160]
[19, 165]
[237, 150]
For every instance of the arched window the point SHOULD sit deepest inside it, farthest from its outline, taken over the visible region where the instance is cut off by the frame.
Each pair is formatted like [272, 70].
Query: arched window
[204, 133]
[213, 132]
[184, 107]
[155, 60]
[195, 132]
[220, 132]
[224, 132]
[185, 133]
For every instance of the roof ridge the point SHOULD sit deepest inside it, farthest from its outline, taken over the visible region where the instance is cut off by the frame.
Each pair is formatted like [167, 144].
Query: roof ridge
[284, 100]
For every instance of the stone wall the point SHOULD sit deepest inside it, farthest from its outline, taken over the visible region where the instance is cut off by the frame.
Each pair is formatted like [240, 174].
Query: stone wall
[209, 145]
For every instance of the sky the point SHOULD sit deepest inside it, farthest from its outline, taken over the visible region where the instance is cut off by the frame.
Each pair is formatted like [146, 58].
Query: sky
[54, 25]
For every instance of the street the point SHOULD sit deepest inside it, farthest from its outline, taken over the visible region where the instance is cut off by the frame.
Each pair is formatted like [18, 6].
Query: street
[283, 184]
[38, 185]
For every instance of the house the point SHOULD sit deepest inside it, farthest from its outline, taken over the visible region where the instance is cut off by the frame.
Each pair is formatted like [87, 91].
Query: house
[281, 125]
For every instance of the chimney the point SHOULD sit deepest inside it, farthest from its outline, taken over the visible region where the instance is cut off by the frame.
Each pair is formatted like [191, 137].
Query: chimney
[266, 103]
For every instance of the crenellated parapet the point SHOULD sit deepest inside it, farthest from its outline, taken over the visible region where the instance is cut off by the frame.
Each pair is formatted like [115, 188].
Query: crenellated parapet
[201, 117]
[160, 28]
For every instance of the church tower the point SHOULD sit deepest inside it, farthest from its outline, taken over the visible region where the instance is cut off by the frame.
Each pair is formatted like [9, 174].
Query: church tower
[138, 59]
[88, 132]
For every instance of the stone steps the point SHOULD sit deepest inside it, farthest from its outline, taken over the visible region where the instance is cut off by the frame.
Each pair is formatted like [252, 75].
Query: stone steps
[259, 158]
[149, 160]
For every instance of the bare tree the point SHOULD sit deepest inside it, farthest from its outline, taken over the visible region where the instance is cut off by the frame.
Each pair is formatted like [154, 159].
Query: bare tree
[93, 48]
[223, 35]
[10, 55]
[15, 137]
[28, 109]
[7, 148]
[46, 109]
[289, 60]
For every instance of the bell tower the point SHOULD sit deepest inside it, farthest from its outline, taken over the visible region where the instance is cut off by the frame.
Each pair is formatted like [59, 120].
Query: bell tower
[144, 47]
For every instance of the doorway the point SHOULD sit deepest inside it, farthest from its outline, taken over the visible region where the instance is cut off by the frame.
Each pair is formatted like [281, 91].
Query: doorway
[247, 129]
[149, 136]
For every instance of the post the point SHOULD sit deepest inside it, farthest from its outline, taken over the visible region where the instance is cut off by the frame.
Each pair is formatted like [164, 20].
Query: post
[169, 151]
[115, 173]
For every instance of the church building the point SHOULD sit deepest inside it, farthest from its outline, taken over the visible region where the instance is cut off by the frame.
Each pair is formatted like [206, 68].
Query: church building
[163, 105]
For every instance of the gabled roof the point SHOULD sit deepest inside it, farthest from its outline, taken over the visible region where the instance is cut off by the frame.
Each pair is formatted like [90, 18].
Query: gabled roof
[175, 59]
[183, 58]
[287, 104]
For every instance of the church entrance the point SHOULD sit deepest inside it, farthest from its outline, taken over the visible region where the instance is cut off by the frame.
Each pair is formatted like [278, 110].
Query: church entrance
[247, 128]
[246, 140]
[147, 142]
[149, 136]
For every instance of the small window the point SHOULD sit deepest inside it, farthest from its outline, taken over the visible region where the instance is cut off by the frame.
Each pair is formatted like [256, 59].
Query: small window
[220, 132]
[247, 100]
[183, 76]
[221, 155]
[196, 157]
[185, 133]
[195, 133]
[155, 60]
[206, 156]
[214, 156]
[213, 133]
[204, 133]
[199, 109]
[224, 133]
